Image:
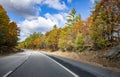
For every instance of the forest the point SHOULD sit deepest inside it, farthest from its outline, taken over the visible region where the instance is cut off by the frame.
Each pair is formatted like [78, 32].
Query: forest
[9, 32]
[100, 30]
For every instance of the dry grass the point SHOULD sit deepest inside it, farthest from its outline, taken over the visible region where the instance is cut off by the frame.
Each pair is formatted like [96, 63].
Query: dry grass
[91, 57]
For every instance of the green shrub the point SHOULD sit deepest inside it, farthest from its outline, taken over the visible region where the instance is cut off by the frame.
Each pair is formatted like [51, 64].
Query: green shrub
[79, 42]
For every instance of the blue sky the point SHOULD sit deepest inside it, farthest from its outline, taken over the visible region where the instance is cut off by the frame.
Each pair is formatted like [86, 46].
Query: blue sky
[40, 15]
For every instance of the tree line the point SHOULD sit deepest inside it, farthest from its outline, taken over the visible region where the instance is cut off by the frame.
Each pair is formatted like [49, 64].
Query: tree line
[100, 30]
[9, 31]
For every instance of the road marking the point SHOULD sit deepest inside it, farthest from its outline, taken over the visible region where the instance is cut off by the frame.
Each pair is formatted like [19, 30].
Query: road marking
[75, 75]
[7, 74]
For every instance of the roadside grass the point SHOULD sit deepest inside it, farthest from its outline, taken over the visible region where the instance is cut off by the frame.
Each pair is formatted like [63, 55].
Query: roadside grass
[96, 58]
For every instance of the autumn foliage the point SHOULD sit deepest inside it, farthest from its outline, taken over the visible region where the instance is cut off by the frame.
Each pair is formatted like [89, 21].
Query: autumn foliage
[100, 30]
[105, 27]
[8, 30]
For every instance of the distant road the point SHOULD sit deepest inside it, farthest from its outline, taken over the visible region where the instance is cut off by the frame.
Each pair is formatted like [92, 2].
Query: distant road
[35, 64]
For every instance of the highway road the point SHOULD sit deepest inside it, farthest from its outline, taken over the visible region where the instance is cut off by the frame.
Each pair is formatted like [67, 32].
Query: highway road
[32, 64]
[11, 62]
[37, 64]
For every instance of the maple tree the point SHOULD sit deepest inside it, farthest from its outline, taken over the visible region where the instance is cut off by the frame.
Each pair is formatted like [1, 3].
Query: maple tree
[106, 17]
[52, 38]
[65, 42]
[9, 31]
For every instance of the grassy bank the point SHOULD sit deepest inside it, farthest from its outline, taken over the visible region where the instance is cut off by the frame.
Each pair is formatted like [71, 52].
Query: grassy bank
[96, 58]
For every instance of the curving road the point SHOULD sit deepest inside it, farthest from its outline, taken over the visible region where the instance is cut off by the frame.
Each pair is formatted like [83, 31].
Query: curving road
[32, 64]
[35, 64]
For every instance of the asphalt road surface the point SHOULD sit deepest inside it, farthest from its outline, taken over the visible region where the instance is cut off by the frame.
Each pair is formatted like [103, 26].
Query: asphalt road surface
[32, 64]
[35, 64]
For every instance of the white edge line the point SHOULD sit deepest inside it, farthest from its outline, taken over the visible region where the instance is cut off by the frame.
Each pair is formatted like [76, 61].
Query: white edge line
[75, 75]
[7, 74]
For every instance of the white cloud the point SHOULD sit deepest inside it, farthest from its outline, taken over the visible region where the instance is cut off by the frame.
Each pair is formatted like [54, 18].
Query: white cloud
[28, 8]
[93, 1]
[59, 19]
[40, 24]
[56, 4]
[69, 1]
[24, 8]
